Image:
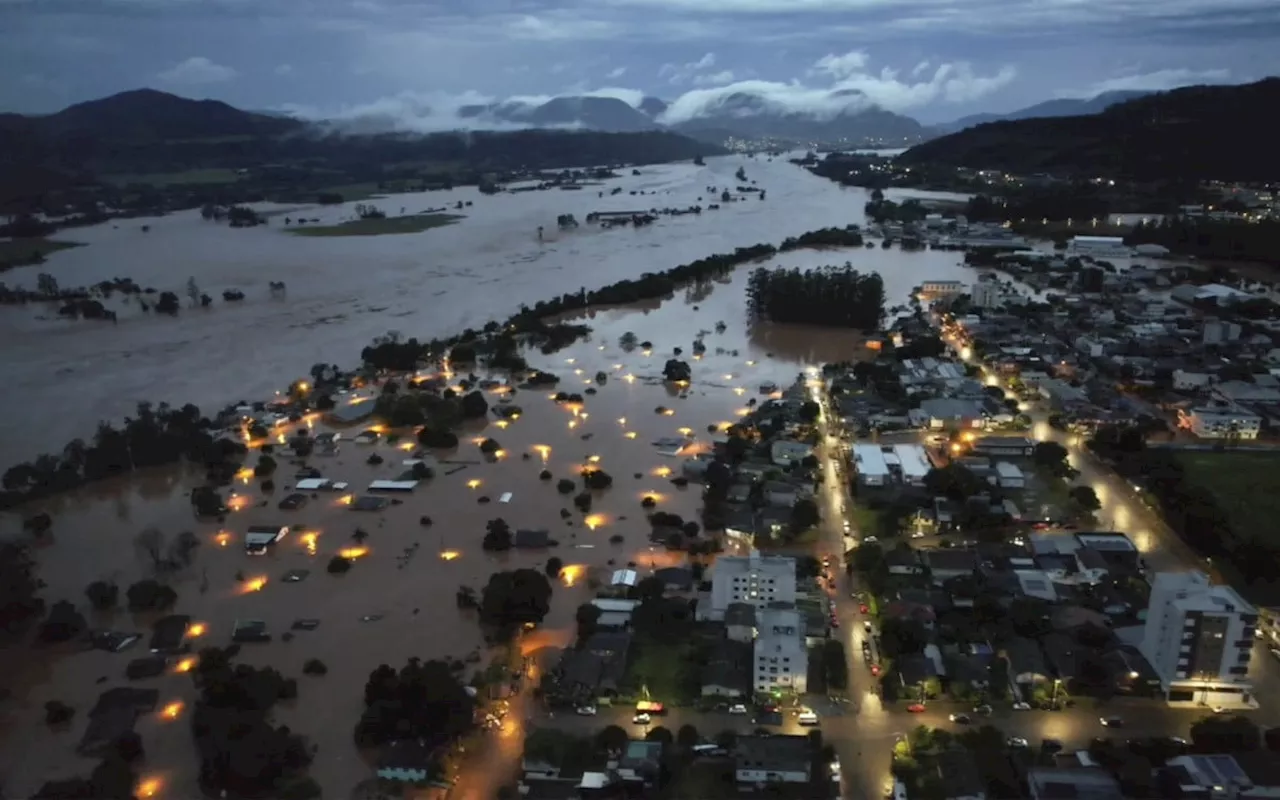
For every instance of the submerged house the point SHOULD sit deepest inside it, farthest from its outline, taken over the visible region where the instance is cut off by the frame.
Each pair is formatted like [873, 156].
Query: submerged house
[258, 538]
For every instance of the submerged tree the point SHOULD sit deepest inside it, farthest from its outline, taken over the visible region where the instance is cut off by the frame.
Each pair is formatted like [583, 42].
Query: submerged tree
[837, 296]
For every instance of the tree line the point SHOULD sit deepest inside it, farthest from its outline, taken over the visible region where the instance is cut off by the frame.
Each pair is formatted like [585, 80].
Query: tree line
[1226, 240]
[836, 296]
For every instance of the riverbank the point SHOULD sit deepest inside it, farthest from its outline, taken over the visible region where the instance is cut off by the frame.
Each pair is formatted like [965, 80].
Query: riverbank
[380, 226]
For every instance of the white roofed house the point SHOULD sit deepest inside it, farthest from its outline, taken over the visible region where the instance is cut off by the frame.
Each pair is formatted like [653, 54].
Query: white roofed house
[259, 538]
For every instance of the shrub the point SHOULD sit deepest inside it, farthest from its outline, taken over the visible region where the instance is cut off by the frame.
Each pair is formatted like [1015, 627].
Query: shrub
[565, 486]
[373, 459]
[648, 502]
[265, 466]
[57, 712]
[102, 595]
[338, 565]
[597, 479]
[554, 565]
[150, 595]
[583, 502]
[314, 666]
[617, 538]
[474, 406]
[434, 437]
[545, 475]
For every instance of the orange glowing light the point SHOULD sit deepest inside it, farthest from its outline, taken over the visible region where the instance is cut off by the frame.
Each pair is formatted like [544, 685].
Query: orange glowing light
[197, 629]
[577, 372]
[309, 541]
[543, 450]
[185, 665]
[449, 555]
[502, 424]
[594, 459]
[237, 502]
[595, 521]
[631, 434]
[379, 429]
[654, 496]
[255, 585]
[742, 412]
[172, 710]
[668, 412]
[571, 574]
[955, 448]
[149, 787]
[347, 499]
[474, 483]
[222, 539]
[244, 474]
[499, 453]
[724, 426]
[477, 440]
[407, 446]
[682, 384]
[662, 472]
[686, 431]
[585, 415]
[573, 423]
[352, 553]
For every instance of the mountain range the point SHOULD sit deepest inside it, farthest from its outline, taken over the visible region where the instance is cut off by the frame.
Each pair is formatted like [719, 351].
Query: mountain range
[1193, 133]
[1061, 107]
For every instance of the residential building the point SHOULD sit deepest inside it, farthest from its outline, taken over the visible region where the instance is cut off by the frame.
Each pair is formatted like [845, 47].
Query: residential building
[1198, 638]
[755, 579]
[935, 289]
[762, 760]
[785, 452]
[890, 465]
[1010, 476]
[1184, 381]
[1222, 422]
[986, 294]
[781, 657]
[1217, 331]
[1082, 783]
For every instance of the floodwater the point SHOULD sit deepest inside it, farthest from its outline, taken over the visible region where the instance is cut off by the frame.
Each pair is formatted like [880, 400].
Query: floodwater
[63, 376]
[66, 376]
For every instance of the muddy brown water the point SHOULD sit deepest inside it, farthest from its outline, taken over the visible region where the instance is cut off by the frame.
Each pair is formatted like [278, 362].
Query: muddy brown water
[67, 376]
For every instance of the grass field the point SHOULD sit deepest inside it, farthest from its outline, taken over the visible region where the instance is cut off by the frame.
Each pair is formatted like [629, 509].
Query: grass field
[1246, 485]
[193, 176]
[25, 252]
[415, 223]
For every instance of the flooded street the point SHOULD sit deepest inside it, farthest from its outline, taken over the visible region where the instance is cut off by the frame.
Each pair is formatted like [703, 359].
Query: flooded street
[343, 291]
[398, 600]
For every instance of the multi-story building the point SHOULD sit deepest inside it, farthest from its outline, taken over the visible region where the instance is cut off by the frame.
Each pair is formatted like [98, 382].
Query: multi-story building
[765, 760]
[781, 657]
[753, 579]
[1224, 422]
[986, 294]
[1198, 638]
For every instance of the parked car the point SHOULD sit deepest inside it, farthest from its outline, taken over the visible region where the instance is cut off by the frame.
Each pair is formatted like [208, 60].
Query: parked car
[641, 719]
[1017, 741]
[984, 710]
[738, 709]
[1112, 722]
[960, 719]
[1021, 706]
[916, 708]
[586, 711]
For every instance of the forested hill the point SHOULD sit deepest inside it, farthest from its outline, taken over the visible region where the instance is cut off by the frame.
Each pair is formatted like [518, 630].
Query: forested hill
[1199, 132]
[150, 138]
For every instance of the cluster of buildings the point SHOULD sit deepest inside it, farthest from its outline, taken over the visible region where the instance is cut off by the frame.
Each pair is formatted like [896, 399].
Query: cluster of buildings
[1198, 358]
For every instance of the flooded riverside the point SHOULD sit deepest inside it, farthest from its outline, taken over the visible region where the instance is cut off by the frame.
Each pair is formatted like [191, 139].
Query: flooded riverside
[63, 376]
[398, 600]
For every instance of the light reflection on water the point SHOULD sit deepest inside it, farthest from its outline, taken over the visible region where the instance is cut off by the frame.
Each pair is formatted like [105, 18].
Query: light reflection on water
[398, 601]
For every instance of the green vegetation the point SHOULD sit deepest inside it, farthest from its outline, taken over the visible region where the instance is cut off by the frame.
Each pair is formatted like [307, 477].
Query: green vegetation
[1245, 486]
[667, 672]
[29, 252]
[187, 177]
[415, 223]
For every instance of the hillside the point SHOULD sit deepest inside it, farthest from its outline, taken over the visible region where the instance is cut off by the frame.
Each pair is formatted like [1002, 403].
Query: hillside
[1198, 132]
[606, 114]
[166, 142]
[750, 116]
[1062, 107]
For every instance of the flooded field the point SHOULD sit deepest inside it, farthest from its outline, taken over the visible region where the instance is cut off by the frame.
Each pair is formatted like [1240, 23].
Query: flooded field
[64, 376]
[398, 600]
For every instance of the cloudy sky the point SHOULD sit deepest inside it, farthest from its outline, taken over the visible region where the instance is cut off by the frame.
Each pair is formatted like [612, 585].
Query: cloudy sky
[933, 59]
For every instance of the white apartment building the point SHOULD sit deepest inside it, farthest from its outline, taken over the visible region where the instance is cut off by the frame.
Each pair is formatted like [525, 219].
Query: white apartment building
[753, 579]
[1199, 637]
[986, 294]
[1220, 423]
[781, 657]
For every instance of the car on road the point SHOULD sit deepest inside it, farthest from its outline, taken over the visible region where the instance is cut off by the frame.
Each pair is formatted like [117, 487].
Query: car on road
[870, 539]
[984, 710]
[1275, 653]
[585, 711]
[960, 719]
[1017, 741]
[738, 709]
[641, 719]
[807, 717]
[1112, 722]
[835, 623]
[875, 670]
[866, 625]
[1021, 706]
[916, 708]
[1219, 710]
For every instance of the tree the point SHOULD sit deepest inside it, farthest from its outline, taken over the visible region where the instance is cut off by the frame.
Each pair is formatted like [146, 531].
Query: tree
[514, 598]
[1052, 457]
[473, 405]
[1085, 498]
[18, 585]
[63, 623]
[727, 739]
[804, 514]
[687, 737]
[423, 700]
[675, 371]
[587, 617]
[338, 565]
[612, 738]
[954, 481]
[659, 734]
[899, 637]
[497, 536]
[150, 541]
[809, 411]
[554, 565]
[1219, 734]
[168, 304]
[150, 595]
